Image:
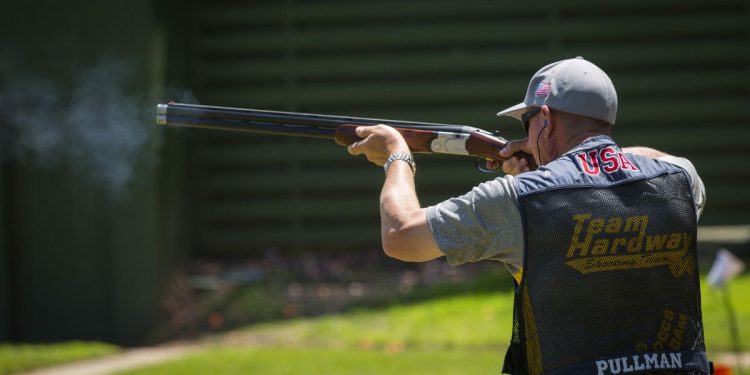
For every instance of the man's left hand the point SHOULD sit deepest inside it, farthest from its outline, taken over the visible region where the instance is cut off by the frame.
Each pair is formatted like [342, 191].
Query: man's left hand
[378, 143]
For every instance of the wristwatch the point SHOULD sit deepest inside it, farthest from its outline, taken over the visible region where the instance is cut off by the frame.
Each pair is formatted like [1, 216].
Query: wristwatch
[404, 157]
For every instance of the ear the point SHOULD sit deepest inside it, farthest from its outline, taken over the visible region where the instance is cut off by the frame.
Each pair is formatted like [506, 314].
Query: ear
[548, 122]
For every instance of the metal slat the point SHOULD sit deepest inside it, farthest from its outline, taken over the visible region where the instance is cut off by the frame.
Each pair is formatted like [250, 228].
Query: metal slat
[246, 241]
[667, 7]
[373, 38]
[691, 109]
[358, 176]
[459, 61]
[329, 208]
[645, 27]
[666, 56]
[379, 93]
[687, 82]
[323, 14]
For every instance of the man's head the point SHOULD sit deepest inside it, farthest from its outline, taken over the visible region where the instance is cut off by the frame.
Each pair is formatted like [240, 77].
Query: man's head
[574, 86]
[565, 102]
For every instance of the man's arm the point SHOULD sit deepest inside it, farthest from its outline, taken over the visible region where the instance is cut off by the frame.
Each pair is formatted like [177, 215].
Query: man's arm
[404, 230]
[644, 151]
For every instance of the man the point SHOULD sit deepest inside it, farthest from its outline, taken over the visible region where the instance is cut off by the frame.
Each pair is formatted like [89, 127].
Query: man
[600, 241]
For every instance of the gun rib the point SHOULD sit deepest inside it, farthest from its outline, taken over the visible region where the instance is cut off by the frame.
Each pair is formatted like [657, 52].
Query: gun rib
[229, 118]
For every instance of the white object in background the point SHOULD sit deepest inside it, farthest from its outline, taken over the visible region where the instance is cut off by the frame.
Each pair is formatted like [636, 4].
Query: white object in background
[725, 267]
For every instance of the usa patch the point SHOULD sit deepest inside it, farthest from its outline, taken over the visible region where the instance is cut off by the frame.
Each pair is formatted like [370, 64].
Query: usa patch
[543, 89]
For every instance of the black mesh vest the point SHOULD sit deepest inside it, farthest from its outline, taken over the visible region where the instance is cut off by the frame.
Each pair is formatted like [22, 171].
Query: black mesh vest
[610, 282]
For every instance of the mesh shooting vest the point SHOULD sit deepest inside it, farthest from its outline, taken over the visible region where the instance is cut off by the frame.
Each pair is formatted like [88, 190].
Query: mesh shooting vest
[610, 282]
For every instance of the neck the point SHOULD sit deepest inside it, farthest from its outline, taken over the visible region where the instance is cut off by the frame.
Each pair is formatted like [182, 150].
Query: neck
[572, 141]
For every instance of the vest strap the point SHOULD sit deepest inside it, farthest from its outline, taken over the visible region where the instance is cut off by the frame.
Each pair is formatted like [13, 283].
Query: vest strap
[694, 362]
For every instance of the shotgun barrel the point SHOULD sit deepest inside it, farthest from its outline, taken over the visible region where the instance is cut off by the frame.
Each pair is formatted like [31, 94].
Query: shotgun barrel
[420, 136]
[277, 122]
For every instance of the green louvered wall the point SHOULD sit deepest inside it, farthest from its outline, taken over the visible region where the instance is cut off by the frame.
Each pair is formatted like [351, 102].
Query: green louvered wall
[682, 70]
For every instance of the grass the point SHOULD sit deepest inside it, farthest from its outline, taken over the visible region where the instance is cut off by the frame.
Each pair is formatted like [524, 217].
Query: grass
[715, 318]
[463, 334]
[464, 321]
[25, 357]
[327, 361]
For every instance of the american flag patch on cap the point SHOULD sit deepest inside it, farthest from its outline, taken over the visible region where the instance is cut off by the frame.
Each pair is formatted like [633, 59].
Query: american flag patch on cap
[542, 89]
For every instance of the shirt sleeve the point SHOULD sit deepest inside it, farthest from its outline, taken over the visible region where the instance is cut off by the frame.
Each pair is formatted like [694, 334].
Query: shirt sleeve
[696, 184]
[483, 224]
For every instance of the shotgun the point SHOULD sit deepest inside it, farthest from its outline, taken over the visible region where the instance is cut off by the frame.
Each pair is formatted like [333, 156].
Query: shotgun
[422, 137]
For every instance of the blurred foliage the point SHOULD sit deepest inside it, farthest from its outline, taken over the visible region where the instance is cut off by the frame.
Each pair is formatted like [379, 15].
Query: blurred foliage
[210, 299]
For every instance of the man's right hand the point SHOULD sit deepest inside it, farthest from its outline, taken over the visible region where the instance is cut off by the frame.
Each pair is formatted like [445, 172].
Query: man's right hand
[515, 164]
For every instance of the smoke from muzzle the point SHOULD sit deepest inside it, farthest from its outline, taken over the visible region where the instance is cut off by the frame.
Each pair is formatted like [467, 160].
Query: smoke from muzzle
[92, 124]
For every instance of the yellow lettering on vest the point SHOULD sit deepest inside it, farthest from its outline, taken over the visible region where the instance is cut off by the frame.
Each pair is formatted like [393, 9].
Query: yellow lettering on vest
[668, 314]
[674, 241]
[635, 244]
[595, 227]
[615, 243]
[600, 247]
[656, 243]
[575, 240]
[614, 225]
[619, 243]
[636, 223]
[686, 237]
[678, 333]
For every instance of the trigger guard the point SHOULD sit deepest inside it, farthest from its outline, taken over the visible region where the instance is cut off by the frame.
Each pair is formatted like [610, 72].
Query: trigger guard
[481, 165]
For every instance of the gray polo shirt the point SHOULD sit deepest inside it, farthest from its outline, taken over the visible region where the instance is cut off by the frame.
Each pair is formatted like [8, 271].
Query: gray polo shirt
[485, 223]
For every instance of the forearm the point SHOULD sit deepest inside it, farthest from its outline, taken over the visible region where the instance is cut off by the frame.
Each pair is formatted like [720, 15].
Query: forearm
[398, 199]
[404, 229]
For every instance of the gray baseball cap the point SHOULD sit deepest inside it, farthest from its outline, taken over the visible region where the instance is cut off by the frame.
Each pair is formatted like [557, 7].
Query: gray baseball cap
[574, 86]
